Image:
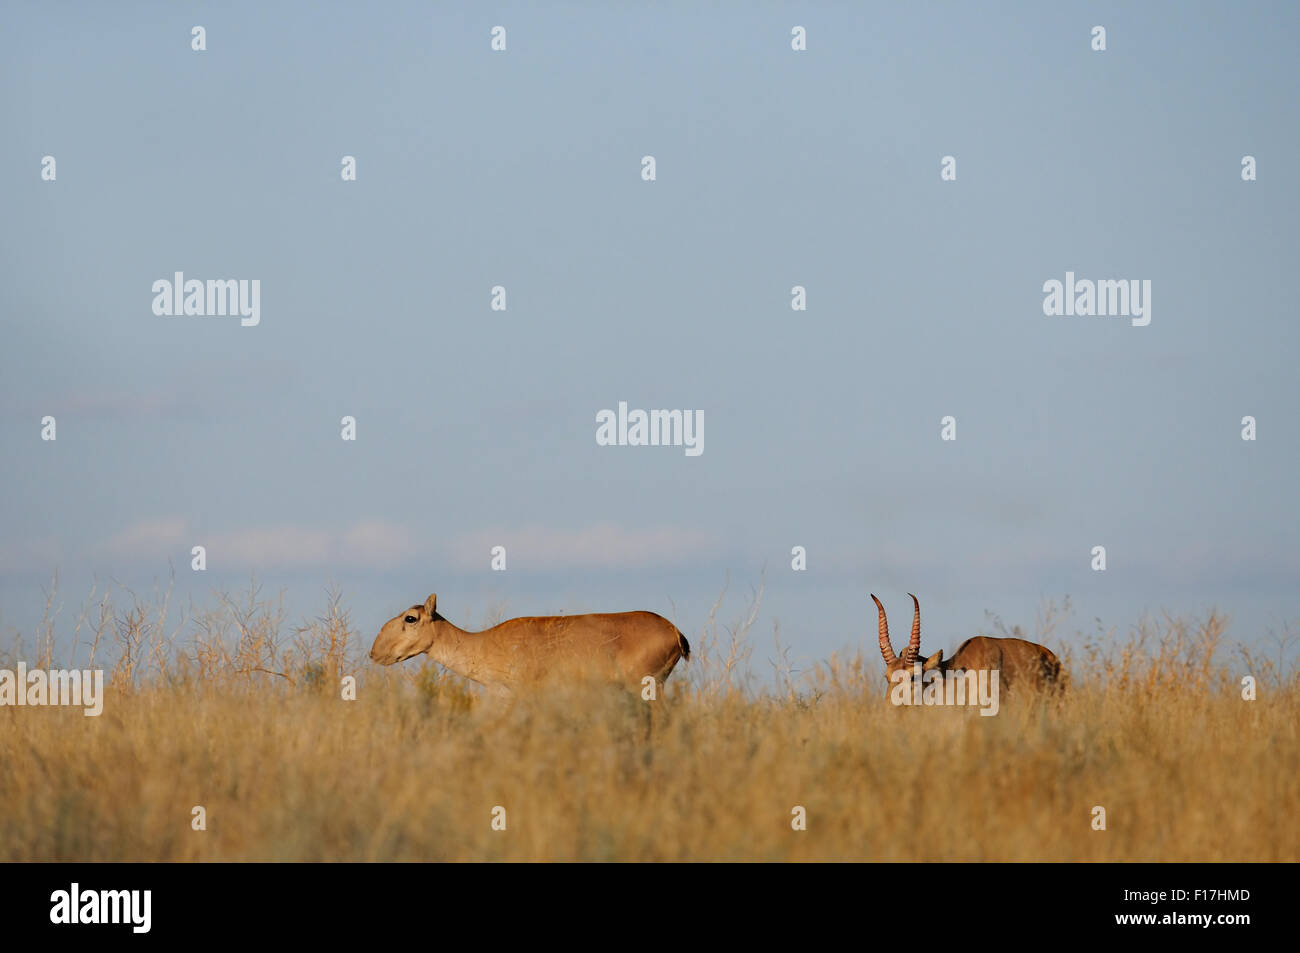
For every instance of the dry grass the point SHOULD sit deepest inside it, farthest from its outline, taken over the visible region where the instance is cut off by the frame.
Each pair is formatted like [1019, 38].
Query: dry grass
[223, 709]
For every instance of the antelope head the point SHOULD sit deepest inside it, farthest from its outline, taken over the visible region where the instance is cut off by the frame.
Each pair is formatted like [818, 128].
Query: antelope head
[912, 654]
[407, 634]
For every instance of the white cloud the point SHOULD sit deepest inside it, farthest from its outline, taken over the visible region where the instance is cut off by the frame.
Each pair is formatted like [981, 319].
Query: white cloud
[380, 544]
[369, 544]
[144, 539]
[600, 546]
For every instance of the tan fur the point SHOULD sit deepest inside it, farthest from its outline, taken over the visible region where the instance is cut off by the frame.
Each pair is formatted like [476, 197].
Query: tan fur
[621, 647]
[1027, 664]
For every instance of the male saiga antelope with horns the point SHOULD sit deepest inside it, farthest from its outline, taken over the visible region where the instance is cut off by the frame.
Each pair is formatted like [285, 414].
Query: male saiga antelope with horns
[1023, 663]
[620, 647]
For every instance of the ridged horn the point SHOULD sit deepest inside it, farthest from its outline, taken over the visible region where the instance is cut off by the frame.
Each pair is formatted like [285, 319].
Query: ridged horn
[886, 649]
[913, 649]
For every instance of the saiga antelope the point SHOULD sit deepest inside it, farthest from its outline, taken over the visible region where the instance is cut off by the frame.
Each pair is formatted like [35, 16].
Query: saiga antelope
[1017, 660]
[620, 647]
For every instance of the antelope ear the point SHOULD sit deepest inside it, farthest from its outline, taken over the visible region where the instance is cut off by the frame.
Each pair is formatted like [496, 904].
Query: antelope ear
[430, 605]
[933, 661]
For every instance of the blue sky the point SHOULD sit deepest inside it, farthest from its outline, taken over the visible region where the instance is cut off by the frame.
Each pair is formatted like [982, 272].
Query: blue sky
[774, 169]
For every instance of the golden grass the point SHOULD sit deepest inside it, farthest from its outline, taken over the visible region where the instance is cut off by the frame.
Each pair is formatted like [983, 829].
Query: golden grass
[221, 710]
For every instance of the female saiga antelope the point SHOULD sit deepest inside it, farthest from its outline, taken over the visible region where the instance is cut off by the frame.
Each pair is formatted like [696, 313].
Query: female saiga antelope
[622, 647]
[1019, 661]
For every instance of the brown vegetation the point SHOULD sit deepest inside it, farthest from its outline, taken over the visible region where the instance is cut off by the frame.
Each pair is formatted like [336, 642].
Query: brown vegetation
[226, 710]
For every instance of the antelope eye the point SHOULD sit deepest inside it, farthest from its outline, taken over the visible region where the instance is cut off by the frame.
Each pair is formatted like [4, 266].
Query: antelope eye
[409, 619]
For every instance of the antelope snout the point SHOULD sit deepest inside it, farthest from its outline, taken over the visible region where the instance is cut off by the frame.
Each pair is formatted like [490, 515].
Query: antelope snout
[390, 655]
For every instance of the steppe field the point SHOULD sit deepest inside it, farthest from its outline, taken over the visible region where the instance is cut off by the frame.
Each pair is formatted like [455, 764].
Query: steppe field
[235, 710]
